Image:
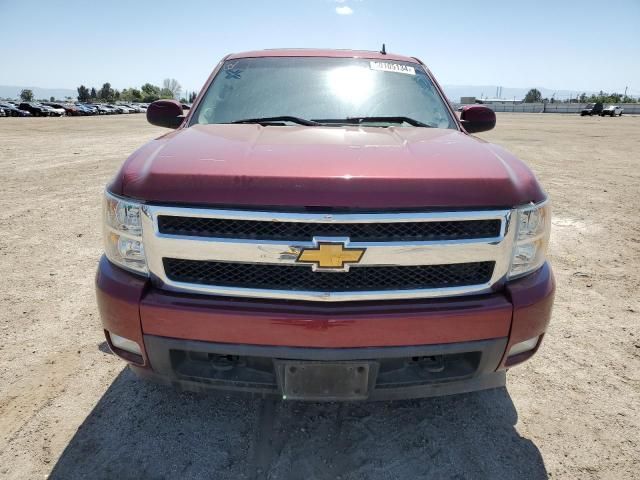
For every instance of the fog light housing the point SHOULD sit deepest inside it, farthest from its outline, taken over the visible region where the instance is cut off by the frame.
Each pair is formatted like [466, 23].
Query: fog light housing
[125, 344]
[522, 347]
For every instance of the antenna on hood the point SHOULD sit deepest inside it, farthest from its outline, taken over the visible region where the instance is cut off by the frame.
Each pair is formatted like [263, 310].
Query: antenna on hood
[384, 50]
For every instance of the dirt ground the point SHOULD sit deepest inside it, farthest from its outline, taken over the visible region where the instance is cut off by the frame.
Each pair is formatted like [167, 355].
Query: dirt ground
[71, 410]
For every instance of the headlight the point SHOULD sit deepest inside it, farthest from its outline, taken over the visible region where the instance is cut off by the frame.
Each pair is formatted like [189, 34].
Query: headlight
[533, 225]
[123, 233]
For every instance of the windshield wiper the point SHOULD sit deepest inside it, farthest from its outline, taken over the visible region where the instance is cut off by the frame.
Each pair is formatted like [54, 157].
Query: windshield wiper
[283, 118]
[383, 119]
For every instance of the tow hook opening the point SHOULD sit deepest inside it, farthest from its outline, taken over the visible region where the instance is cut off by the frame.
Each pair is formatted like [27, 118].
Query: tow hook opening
[219, 362]
[433, 364]
[224, 363]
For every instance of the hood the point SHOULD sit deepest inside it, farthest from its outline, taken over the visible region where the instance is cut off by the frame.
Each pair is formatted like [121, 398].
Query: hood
[339, 167]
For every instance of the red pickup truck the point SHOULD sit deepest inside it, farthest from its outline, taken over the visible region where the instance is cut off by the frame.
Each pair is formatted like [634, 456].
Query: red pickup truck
[322, 226]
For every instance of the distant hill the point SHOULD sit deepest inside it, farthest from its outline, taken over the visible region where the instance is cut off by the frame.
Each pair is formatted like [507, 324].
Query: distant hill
[13, 92]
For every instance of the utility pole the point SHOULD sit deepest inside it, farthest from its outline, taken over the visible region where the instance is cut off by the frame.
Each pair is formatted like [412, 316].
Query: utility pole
[625, 91]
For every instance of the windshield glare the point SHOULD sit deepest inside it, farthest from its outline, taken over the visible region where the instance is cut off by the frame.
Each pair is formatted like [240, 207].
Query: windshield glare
[321, 88]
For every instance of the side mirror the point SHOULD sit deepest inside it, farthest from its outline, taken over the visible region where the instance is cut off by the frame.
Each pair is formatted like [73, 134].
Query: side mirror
[477, 118]
[165, 113]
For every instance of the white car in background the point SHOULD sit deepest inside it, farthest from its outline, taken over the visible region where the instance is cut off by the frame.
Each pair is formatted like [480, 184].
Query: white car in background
[612, 111]
[134, 108]
[56, 111]
[120, 108]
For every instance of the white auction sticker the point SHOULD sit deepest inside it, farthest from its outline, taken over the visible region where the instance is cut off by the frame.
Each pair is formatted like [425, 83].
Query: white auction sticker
[392, 67]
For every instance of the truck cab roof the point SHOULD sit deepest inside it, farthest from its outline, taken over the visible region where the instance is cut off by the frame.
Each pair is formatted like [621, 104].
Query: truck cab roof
[316, 52]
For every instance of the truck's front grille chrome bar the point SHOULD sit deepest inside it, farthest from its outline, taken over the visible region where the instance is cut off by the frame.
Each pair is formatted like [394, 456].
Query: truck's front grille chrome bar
[302, 278]
[256, 254]
[303, 231]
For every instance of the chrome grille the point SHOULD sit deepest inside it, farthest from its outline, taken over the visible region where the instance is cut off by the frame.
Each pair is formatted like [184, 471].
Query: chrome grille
[301, 277]
[301, 231]
[254, 253]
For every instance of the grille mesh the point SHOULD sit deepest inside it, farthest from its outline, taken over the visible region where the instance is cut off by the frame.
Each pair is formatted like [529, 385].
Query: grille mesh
[357, 232]
[302, 278]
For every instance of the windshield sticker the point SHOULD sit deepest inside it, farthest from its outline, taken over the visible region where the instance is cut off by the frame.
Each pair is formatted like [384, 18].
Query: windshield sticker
[392, 67]
[233, 74]
[232, 70]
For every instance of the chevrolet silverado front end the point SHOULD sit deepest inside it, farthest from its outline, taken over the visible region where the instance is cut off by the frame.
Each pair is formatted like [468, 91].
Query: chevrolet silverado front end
[321, 226]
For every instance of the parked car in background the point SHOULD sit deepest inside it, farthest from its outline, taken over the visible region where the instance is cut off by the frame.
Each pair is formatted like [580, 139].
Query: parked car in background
[54, 112]
[104, 109]
[612, 111]
[67, 108]
[11, 110]
[35, 109]
[123, 108]
[94, 107]
[113, 108]
[86, 109]
[591, 109]
[132, 107]
[3, 113]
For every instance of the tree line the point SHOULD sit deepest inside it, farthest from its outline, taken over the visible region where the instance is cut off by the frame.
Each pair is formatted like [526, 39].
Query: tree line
[534, 96]
[147, 93]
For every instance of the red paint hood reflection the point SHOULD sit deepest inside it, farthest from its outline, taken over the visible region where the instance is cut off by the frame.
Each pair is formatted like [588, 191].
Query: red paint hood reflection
[353, 167]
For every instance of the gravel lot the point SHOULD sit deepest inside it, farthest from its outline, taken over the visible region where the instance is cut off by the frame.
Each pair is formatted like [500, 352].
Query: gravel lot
[69, 409]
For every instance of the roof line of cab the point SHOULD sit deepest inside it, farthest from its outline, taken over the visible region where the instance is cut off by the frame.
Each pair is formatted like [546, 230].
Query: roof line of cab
[316, 52]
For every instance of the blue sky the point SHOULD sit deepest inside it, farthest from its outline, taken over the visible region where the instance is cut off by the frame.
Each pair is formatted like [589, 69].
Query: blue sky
[578, 45]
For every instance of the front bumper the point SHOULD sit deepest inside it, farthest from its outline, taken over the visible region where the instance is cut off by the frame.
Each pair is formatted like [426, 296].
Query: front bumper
[394, 372]
[183, 337]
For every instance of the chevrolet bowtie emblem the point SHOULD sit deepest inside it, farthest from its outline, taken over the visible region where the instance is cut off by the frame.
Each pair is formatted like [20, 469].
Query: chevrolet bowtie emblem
[330, 256]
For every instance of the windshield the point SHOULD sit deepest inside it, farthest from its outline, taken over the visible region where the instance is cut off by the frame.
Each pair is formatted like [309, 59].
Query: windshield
[322, 89]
